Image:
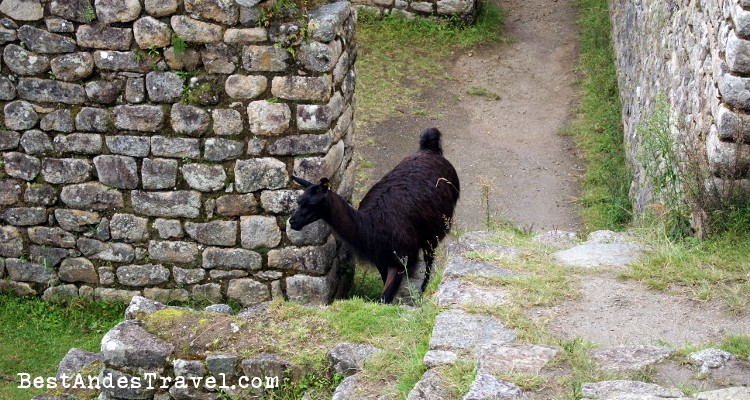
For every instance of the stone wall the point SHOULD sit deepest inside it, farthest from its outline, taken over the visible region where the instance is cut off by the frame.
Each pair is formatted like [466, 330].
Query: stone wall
[147, 148]
[462, 10]
[696, 54]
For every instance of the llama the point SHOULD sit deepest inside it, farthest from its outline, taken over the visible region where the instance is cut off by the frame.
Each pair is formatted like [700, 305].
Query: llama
[410, 209]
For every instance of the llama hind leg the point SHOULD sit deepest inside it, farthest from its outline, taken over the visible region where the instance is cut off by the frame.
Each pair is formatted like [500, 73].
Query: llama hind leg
[429, 259]
[392, 284]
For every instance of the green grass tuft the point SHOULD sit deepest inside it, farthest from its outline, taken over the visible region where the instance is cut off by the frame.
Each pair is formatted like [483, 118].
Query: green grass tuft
[598, 129]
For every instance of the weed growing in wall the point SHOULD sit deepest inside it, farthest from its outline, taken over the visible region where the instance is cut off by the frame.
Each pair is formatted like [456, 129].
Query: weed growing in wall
[658, 155]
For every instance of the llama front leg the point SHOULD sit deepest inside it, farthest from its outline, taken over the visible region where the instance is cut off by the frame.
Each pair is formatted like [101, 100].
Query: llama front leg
[392, 284]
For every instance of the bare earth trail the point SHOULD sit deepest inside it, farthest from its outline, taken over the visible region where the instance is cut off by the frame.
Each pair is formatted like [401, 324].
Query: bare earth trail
[513, 146]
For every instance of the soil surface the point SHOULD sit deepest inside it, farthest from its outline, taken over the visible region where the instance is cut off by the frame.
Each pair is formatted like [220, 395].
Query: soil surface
[511, 151]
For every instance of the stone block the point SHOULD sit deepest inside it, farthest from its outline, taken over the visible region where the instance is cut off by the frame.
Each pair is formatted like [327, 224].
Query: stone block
[151, 33]
[24, 62]
[20, 115]
[49, 257]
[59, 120]
[204, 177]
[159, 173]
[21, 216]
[135, 91]
[259, 173]
[36, 142]
[55, 237]
[40, 193]
[50, 91]
[245, 87]
[173, 252]
[302, 88]
[179, 203]
[93, 120]
[104, 37]
[259, 231]
[216, 233]
[164, 87]
[22, 10]
[21, 166]
[321, 57]
[10, 192]
[235, 205]
[103, 92]
[79, 143]
[59, 25]
[161, 8]
[266, 118]
[189, 120]
[24, 271]
[107, 251]
[301, 144]
[217, 149]
[167, 295]
[11, 242]
[41, 41]
[127, 345]
[327, 21]
[128, 227]
[280, 201]
[75, 220]
[66, 170]
[209, 292]
[78, 270]
[109, 295]
[227, 122]
[60, 294]
[218, 58]
[175, 147]
[315, 233]
[70, 9]
[142, 275]
[309, 289]
[168, 228]
[142, 118]
[117, 171]
[187, 276]
[192, 30]
[245, 35]
[133, 146]
[231, 259]
[247, 292]
[265, 58]
[9, 140]
[125, 61]
[316, 260]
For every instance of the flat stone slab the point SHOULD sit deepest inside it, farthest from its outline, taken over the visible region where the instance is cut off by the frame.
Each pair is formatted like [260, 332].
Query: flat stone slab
[524, 358]
[429, 387]
[733, 393]
[348, 358]
[630, 358]
[459, 266]
[481, 241]
[486, 387]
[459, 293]
[606, 390]
[460, 331]
[589, 255]
[434, 358]
[556, 239]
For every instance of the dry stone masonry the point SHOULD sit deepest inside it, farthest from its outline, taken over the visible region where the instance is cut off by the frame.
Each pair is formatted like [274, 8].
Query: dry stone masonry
[697, 55]
[464, 11]
[147, 148]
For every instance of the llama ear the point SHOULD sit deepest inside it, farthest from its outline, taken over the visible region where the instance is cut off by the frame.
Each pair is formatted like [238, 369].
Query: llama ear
[305, 184]
[325, 183]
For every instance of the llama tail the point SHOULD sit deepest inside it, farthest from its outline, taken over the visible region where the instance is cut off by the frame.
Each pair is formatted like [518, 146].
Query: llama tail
[429, 140]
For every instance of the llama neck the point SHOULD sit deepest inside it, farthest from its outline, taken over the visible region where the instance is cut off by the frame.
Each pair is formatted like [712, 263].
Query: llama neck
[344, 220]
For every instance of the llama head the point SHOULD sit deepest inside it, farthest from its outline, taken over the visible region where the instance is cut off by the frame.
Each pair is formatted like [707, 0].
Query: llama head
[311, 204]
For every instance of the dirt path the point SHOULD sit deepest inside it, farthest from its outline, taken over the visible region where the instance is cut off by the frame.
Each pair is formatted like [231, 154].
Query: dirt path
[510, 149]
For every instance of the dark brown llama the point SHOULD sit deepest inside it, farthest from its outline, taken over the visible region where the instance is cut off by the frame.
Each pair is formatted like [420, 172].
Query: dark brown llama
[410, 209]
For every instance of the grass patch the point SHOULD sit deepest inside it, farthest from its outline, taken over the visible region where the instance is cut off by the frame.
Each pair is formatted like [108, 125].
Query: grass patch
[482, 92]
[716, 268]
[303, 335]
[398, 58]
[598, 129]
[35, 335]
[737, 345]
